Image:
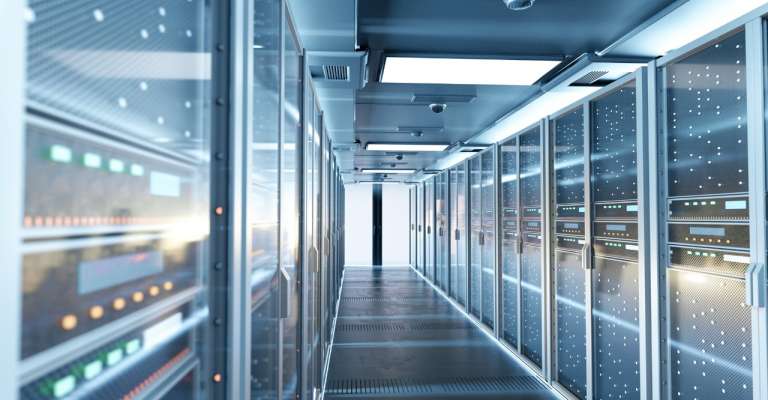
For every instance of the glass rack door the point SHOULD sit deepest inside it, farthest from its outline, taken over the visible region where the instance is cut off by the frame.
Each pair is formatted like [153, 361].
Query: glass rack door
[488, 226]
[475, 221]
[569, 252]
[531, 274]
[510, 242]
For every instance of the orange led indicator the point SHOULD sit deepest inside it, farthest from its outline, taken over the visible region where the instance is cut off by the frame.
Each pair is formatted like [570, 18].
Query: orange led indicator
[69, 322]
[217, 378]
[96, 312]
[137, 297]
[118, 304]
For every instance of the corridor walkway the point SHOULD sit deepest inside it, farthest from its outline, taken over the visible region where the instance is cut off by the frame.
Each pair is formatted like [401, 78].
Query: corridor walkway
[396, 338]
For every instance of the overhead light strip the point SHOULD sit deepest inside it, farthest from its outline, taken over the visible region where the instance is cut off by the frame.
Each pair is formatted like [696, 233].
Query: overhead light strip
[465, 71]
[405, 147]
[387, 171]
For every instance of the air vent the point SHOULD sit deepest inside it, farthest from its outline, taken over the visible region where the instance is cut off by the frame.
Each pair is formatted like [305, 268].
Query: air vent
[336, 72]
[591, 78]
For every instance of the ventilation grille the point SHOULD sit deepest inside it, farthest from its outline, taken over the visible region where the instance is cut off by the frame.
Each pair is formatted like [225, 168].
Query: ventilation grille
[503, 384]
[336, 72]
[589, 79]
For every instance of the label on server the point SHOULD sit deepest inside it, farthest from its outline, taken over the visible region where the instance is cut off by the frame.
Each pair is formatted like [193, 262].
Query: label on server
[627, 210]
[712, 209]
[618, 230]
[720, 235]
[569, 228]
[715, 261]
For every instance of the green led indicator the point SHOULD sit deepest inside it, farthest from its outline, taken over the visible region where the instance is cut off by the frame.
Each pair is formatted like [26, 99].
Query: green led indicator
[92, 160]
[114, 357]
[61, 153]
[93, 369]
[132, 346]
[137, 170]
[64, 386]
[116, 165]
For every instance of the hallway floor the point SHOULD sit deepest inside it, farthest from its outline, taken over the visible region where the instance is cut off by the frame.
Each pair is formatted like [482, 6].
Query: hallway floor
[396, 338]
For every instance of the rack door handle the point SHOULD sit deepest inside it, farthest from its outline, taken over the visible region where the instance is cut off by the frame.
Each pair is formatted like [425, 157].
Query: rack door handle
[586, 256]
[286, 290]
[756, 285]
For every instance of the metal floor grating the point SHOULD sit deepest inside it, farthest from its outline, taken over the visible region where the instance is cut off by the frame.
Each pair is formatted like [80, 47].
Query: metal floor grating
[402, 327]
[377, 299]
[454, 385]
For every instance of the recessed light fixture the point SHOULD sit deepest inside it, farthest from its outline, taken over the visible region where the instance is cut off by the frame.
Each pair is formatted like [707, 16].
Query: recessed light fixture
[405, 147]
[464, 71]
[387, 171]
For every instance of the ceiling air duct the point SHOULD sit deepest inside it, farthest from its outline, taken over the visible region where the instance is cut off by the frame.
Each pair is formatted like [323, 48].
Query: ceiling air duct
[518, 5]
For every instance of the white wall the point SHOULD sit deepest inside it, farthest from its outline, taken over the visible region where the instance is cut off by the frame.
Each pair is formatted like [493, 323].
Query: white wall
[395, 221]
[358, 215]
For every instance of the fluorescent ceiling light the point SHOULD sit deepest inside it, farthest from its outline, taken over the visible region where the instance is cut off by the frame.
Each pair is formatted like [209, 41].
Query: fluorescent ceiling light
[387, 171]
[464, 71]
[405, 147]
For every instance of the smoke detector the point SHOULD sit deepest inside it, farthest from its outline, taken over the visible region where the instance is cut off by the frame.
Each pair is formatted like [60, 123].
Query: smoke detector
[519, 5]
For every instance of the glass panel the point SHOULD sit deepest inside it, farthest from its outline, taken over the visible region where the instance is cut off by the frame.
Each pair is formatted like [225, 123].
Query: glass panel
[571, 323]
[570, 278]
[116, 196]
[509, 243]
[441, 227]
[263, 209]
[461, 226]
[429, 264]
[489, 231]
[290, 205]
[452, 235]
[615, 291]
[710, 336]
[531, 267]
[475, 209]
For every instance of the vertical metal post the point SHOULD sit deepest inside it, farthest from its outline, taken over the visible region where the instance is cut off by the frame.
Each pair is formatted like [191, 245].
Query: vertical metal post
[280, 205]
[657, 188]
[241, 99]
[519, 244]
[756, 81]
[643, 86]
[467, 235]
[547, 218]
[497, 299]
[227, 132]
[588, 249]
[13, 40]
[447, 233]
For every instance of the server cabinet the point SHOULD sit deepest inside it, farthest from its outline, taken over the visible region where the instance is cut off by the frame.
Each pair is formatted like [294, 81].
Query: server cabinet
[488, 235]
[570, 251]
[444, 228]
[429, 224]
[421, 230]
[510, 242]
[293, 212]
[531, 271]
[705, 196]
[476, 237]
[115, 226]
[413, 226]
[263, 209]
[616, 281]
[458, 239]
[441, 227]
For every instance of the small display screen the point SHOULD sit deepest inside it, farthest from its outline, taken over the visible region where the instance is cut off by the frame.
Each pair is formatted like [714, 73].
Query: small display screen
[112, 271]
[707, 231]
[616, 228]
[571, 225]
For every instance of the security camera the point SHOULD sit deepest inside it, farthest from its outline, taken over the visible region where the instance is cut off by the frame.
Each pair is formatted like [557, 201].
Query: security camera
[438, 108]
[399, 157]
[519, 5]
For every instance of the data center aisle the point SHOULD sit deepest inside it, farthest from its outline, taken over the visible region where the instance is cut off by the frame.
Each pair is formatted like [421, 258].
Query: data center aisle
[396, 337]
